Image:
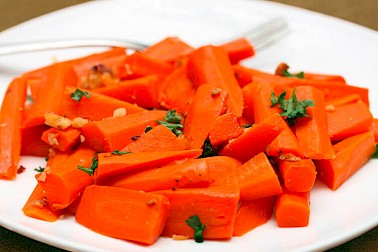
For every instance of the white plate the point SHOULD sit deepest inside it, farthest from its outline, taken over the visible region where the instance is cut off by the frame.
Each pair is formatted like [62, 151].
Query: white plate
[316, 43]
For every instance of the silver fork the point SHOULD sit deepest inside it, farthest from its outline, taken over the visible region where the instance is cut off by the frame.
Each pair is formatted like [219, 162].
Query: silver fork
[259, 36]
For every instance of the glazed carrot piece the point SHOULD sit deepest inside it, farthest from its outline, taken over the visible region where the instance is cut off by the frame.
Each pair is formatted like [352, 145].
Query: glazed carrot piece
[257, 178]
[242, 76]
[168, 50]
[63, 140]
[312, 132]
[31, 142]
[348, 120]
[206, 106]
[159, 138]
[174, 87]
[323, 77]
[298, 176]
[351, 154]
[211, 65]
[225, 128]
[87, 107]
[238, 50]
[10, 132]
[122, 213]
[253, 213]
[191, 173]
[255, 139]
[221, 165]
[114, 133]
[142, 91]
[292, 209]
[215, 206]
[62, 181]
[374, 128]
[348, 99]
[37, 208]
[249, 95]
[113, 164]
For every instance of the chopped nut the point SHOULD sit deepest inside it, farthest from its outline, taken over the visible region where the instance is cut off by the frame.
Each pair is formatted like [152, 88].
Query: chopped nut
[57, 121]
[47, 170]
[151, 202]
[51, 138]
[78, 122]
[216, 91]
[21, 169]
[330, 108]
[281, 68]
[288, 157]
[119, 112]
[98, 76]
[179, 237]
[51, 152]
[38, 203]
[82, 139]
[61, 217]
[42, 176]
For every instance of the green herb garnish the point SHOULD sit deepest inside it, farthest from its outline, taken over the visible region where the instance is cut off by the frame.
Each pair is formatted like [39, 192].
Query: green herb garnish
[208, 150]
[117, 152]
[148, 128]
[299, 75]
[39, 169]
[195, 223]
[292, 108]
[78, 94]
[249, 125]
[172, 121]
[92, 168]
[375, 155]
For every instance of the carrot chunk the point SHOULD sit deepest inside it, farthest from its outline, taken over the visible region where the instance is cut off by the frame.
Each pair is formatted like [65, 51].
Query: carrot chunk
[225, 128]
[298, 175]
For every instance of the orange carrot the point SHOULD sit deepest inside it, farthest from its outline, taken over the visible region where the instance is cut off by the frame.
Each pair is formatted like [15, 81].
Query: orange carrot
[242, 75]
[298, 176]
[253, 213]
[238, 50]
[36, 207]
[31, 142]
[292, 209]
[206, 106]
[10, 124]
[348, 120]
[348, 99]
[248, 96]
[257, 178]
[221, 165]
[210, 65]
[351, 154]
[113, 164]
[225, 128]
[62, 181]
[323, 77]
[159, 138]
[87, 107]
[122, 213]
[216, 208]
[115, 133]
[374, 128]
[312, 132]
[255, 139]
[63, 140]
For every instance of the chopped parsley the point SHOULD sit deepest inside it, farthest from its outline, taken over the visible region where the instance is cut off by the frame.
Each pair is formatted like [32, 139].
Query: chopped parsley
[39, 169]
[117, 152]
[249, 125]
[172, 121]
[148, 128]
[78, 94]
[195, 223]
[299, 75]
[292, 108]
[208, 150]
[92, 168]
[375, 155]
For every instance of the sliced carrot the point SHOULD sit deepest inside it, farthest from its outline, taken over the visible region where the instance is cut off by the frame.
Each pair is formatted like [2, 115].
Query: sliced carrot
[62, 181]
[159, 138]
[63, 140]
[253, 213]
[31, 142]
[112, 164]
[36, 207]
[225, 128]
[323, 77]
[206, 106]
[221, 165]
[114, 133]
[257, 178]
[351, 154]
[298, 176]
[348, 99]
[238, 50]
[292, 209]
[348, 120]
[122, 213]
[216, 208]
[255, 139]
[210, 65]
[10, 128]
[87, 107]
[312, 131]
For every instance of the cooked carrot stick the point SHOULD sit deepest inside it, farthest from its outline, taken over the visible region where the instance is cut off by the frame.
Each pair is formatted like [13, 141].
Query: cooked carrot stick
[221, 165]
[351, 154]
[36, 206]
[87, 107]
[298, 176]
[225, 128]
[215, 206]
[348, 120]
[348, 99]
[292, 209]
[122, 213]
[115, 133]
[159, 138]
[312, 132]
[257, 178]
[10, 124]
[210, 65]
[63, 140]
[323, 77]
[62, 181]
[190, 173]
[253, 213]
[206, 106]
[238, 50]
[255, 139]
[31, 142]
[242, 76]
[113, 164]
[248, 96]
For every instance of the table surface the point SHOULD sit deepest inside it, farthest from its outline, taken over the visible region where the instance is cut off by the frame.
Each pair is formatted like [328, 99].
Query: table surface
[357, 11]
